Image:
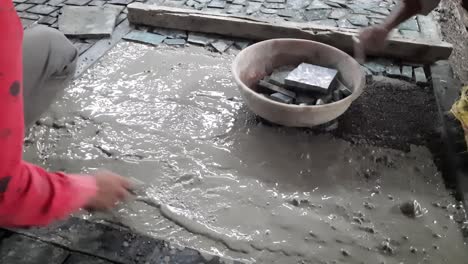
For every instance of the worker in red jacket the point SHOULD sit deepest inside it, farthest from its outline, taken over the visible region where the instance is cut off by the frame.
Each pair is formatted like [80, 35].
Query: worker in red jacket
[29, 195]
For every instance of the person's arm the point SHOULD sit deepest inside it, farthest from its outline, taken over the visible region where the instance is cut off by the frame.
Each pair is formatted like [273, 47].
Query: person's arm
[29, 195]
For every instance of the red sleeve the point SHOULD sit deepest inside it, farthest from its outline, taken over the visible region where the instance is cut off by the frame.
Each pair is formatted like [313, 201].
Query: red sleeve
[29, 195]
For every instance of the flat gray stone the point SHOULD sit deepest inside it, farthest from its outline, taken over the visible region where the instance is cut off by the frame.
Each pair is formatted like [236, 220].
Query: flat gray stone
[170, 33]
[311, 78]
[199, 38]
[375, 67]
[379, 10]
[175, 42]
[253, 7]
[276, 1]
[47, 20]
[77, 2]
[217, 4]
[55, 14]
[297, 4]
[222, 45]
[407, 72]
[19, 1]
[23, 7]
[410, 24]
[288, 13]
[234, 9]
[265, 86]
[29, 16]
[82, 47]
[429, 28]
[239, 2]
[27, 22]
[37, 2]
[42, 9]
[171, 3]
[268, 11]
[317, 4]
[55, 2]
[281, 98]
[274, 5]
[420, 76]
[120, 2]
[242, 44]
[393, 71]
[410, 34]
[359, 20]
[326, 22]
[318, 14]
[338, 13]
[97, 3]
[344, 23]
[87, 21]
[145, 37]
[117, 8]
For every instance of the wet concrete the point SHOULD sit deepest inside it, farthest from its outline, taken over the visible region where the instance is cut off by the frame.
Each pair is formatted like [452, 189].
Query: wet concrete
[217, 179]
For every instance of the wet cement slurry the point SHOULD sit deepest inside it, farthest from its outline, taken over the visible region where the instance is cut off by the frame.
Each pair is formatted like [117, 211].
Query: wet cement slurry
[218, 180]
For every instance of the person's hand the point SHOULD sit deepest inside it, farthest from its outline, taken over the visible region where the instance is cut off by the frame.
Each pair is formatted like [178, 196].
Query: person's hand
[111, 189]
[373, 38]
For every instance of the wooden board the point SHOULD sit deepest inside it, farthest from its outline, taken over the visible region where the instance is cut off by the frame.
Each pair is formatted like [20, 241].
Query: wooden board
[245, 27]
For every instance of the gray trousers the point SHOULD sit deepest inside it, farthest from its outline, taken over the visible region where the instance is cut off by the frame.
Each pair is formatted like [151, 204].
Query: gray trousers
[49, 64]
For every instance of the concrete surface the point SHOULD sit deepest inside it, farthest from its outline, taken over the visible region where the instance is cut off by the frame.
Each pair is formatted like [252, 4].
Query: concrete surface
[221, 181]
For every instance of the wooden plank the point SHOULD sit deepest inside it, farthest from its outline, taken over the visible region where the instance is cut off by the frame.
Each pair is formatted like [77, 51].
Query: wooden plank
[244, 27]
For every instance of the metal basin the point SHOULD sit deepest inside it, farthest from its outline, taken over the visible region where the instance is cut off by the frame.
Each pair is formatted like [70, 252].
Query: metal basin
[260, 59]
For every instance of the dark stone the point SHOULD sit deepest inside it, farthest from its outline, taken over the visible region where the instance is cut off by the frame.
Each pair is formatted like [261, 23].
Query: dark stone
[23, 7]
[318, 14]
[345, 253]
[217, 4]
[19, 1]
[279, 97]
[77, 2]
[359, 20]
[267, 87]
[332, 4]
[76, 258]
[145, 37]
[278, 76]
[305, 99]
[241, 44]
[47, 20]
[42, 10]
[22, 250]
[170, 33]
[337, 95]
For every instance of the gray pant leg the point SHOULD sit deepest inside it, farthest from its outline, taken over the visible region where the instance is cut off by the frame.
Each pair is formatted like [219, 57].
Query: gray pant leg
[49, 64]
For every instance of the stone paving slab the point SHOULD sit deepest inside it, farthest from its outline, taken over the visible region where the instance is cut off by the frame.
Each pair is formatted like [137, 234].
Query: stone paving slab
[78, 241]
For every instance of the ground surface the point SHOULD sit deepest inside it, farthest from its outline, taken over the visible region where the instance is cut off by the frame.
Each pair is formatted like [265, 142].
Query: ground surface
[218, 180]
